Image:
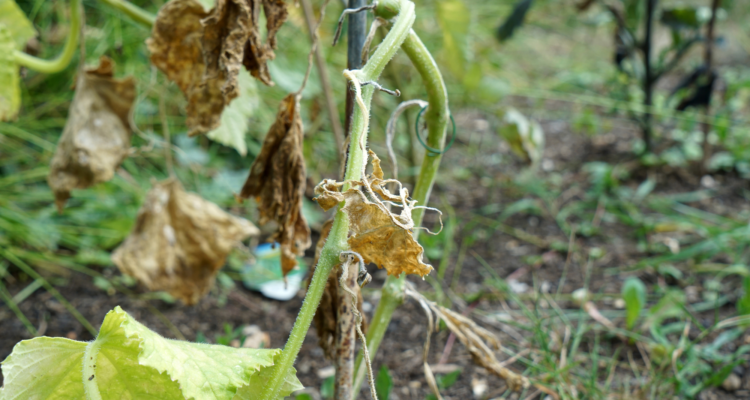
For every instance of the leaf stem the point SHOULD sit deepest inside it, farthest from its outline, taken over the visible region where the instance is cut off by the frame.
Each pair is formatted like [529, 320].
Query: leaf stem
[436, 116]
[63, 60]
[138, 14]
[336, 242]
[90, 385]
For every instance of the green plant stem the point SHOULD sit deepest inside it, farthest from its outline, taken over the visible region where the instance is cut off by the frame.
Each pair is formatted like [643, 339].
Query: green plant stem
[138, 14]
[336, 242]
[63, 60]
[436, 116]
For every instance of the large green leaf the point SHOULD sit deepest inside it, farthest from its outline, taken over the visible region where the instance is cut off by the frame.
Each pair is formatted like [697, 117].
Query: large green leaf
[15, 20]
[235, 119]
[10, 91]
[453, 17]
[129, 361]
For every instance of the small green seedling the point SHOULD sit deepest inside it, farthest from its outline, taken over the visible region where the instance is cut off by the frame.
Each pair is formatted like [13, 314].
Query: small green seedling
[634, 294]
[383, 383]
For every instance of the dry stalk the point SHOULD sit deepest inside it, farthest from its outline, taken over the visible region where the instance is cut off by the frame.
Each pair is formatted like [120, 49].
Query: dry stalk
[347, 258]
[476, 339]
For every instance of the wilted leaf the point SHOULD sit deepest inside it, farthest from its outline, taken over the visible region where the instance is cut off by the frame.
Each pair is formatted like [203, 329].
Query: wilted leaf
[515, 19]
[453, 18]
[326, 317]
[379, 236]
[525, 137]
[203, 53]
[277, 181]
[133, 362]
[10, 90]
[176, 49]
[96, 138]
[179, 242]
[15, 20]
[235, 119]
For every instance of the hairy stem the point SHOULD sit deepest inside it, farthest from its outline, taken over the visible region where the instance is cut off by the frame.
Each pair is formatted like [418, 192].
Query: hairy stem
[63, 60]
[437, 119]
[336, 242]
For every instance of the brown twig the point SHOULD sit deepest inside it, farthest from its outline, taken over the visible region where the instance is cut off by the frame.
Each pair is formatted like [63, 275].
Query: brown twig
[708, 65]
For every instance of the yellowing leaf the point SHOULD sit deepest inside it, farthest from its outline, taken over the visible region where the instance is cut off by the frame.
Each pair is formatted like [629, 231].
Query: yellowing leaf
[15, 20]
[179, 242]
[96, 138]
[10, 91]
[454, 18]
[277, 182]
[129, 361]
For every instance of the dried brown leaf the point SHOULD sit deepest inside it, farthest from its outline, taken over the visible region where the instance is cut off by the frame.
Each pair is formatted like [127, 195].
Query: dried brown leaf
[257, 54]
[179, 242]
[326, 317]
[327, 194]
[176, 46]
[379, 236]
[96, 138]
[277, 181]
[203, 52]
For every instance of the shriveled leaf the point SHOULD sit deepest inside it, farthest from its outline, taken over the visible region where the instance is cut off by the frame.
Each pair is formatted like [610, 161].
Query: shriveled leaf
[20, 28]
[203, 53]
[235, 119]
[176, 46]
[379, 236]
[515, 19]
[96, 138]
[453, 18]
[326, 317]
[257, 53]
[132, 362]
[10, 90]
[277, 182]
[179, 242]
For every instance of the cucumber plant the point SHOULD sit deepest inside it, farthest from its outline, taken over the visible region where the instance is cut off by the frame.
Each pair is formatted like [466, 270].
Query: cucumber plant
[206, 53]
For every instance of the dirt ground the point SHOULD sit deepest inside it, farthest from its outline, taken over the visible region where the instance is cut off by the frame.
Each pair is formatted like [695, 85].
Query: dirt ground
[402, 348]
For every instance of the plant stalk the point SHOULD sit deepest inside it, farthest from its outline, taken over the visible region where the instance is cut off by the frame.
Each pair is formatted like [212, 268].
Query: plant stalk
[63, 60]
[437, 116]
[355, 41]
[337, 239]
[138, 14]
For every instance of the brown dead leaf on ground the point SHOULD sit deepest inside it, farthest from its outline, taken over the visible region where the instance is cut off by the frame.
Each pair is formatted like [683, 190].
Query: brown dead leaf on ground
[277, 181]
[177, 50]
[378, 235]
[203, 51]
[96, 138]
[179, 242]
